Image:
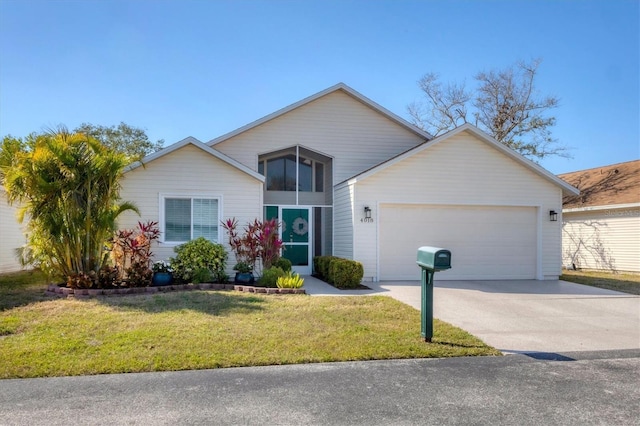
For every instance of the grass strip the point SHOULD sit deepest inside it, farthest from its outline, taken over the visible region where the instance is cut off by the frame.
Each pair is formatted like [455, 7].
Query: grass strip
[626, 283]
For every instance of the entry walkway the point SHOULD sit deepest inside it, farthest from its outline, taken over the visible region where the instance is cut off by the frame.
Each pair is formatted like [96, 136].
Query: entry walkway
[521, 316]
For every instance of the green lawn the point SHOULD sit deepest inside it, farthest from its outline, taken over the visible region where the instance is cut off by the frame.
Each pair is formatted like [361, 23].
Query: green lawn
[206, 329]
[21, 288]
[626, 283]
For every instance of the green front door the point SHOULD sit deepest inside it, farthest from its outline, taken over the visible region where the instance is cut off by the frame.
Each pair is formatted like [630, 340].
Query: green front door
[296, 235]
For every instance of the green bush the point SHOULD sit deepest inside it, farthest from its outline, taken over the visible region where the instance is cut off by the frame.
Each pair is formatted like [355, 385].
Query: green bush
[290, 281]
[321, 264]
[201, 275]
[316, 266]
[196, 255]
[270, 276]
[284, 264]
[345, 273]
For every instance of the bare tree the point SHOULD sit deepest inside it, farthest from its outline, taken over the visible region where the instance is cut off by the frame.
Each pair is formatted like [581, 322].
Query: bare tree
[505, 104]
[446, 106]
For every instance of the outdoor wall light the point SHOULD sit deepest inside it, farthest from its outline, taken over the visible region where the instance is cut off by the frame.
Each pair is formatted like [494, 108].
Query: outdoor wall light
[367, 215]
[553, 216]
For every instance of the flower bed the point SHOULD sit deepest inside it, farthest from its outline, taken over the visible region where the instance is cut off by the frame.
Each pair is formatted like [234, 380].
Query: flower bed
[83, 293]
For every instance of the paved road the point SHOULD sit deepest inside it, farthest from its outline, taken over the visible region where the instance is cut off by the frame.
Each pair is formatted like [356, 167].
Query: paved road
[580, 389]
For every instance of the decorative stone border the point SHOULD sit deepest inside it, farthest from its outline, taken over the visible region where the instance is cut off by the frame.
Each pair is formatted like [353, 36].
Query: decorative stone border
[85, 293]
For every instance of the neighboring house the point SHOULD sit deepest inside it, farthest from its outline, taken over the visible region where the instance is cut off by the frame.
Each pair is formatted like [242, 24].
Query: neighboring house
[601, 228]
[11, 236]
[347, 177]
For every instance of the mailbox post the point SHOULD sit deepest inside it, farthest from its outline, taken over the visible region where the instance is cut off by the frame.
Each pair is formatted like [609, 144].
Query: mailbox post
[430, 260]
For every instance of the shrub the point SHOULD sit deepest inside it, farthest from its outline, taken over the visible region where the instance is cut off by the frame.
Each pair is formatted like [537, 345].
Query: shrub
[139, 275]
[270, 276]
[108, 276]
[322, 264]
[316, 266]
[243, 268]
[290, 281]
[345, 273]
[284, 264]
[81, 280]
[201, 275]
[198, 254]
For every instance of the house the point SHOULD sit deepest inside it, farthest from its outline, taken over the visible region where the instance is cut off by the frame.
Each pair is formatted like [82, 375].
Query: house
[601, 226]
[347, 177]
[11, 235]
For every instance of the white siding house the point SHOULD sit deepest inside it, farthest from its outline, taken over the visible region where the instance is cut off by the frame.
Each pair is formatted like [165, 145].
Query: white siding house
[11, 236]
[316, 164]
[337, 131]
[184, 172]
[601, 228]
[465, 192]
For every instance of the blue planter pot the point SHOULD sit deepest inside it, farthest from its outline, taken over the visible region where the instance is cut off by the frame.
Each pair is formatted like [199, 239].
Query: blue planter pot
[162, 278]
[244, 278]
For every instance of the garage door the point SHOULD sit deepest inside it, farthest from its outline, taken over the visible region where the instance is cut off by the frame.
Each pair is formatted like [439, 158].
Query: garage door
[485, 242]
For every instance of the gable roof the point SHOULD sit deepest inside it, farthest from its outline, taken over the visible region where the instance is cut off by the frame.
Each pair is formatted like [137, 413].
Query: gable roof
[338, 87]
[540, 171]
[195, 142]
[606, 185]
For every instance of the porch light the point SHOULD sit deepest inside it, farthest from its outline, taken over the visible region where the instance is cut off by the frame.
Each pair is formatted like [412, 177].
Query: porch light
[553, 216]
[367, 212]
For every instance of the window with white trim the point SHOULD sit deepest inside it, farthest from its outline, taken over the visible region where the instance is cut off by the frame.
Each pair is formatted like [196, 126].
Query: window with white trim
[187, 218]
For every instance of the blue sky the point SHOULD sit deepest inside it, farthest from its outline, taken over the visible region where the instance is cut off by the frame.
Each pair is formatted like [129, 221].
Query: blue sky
[204, 68]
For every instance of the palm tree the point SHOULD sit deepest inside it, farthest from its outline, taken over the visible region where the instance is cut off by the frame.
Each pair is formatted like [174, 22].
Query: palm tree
[68, 186]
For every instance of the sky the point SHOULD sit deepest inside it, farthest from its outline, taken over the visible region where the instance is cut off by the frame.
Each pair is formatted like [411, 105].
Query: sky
[204, 68]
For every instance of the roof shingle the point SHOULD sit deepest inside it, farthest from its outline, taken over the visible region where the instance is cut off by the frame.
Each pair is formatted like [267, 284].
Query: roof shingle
[601, 186]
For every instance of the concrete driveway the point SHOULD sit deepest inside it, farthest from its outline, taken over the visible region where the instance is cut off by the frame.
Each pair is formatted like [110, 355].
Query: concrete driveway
[523, 316]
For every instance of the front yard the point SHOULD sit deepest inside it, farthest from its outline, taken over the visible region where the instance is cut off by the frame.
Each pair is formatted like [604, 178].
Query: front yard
[205, 329]
[626, 283]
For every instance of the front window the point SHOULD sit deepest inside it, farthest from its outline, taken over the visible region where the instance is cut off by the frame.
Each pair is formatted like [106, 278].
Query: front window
[281, 174]
[187, 218]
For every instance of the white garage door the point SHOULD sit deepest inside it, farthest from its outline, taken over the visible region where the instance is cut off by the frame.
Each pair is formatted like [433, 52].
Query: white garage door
[485, 242]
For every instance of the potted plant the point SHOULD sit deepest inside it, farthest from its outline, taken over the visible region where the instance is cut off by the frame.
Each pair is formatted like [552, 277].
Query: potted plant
[162, 273]
[244, 273]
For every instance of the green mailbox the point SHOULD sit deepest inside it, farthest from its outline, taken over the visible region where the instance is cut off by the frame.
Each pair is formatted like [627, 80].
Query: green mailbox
[434, 258]
[430, 260]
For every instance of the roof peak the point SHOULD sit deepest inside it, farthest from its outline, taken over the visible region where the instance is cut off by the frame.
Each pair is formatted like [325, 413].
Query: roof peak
[336, 87]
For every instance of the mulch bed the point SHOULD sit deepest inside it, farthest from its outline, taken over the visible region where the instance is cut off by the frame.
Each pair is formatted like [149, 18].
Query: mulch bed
[84, 293]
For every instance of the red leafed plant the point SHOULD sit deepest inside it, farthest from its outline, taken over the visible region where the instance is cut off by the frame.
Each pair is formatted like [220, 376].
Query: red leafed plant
[132, 252]
[259, 241]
